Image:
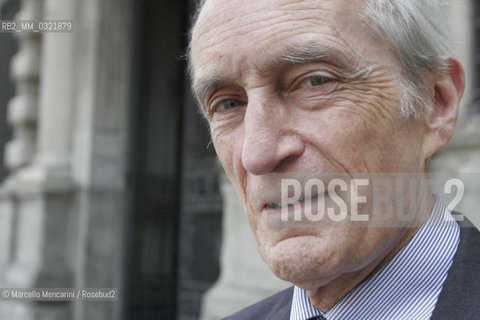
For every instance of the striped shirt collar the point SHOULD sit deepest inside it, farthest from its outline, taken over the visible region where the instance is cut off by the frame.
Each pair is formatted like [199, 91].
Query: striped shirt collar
[407, 287]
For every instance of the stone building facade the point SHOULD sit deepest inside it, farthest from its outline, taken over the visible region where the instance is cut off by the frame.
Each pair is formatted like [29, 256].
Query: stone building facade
[108, 178]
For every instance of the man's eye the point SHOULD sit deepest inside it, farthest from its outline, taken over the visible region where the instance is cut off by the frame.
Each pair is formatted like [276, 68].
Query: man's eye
[227, 105]
[315, 81]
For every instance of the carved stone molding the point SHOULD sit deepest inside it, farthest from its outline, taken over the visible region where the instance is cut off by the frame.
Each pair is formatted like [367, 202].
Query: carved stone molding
[22, 109]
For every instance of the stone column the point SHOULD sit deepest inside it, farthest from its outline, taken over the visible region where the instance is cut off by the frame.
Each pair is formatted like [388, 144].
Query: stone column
[244, 278]
[56, 98]
[19, 267]
[103, 56]
[41, 185]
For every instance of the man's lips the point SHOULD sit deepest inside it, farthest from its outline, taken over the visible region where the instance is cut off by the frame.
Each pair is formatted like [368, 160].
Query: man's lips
[279, 204]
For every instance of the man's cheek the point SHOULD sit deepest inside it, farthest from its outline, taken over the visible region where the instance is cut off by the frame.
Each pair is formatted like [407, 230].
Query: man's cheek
[224, 145]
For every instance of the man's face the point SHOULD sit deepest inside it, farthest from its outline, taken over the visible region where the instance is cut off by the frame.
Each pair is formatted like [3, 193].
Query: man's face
[302, 87]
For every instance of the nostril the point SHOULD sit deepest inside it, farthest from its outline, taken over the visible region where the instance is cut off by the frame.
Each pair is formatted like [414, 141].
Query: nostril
[284, 163]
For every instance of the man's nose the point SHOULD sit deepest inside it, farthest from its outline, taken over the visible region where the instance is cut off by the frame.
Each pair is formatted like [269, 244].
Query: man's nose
[268, 145]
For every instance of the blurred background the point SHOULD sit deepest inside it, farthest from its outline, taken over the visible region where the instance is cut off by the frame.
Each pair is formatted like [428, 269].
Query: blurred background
[107, 176]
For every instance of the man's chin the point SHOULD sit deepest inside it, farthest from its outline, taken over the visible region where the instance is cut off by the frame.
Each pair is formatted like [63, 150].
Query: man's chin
[300, 260]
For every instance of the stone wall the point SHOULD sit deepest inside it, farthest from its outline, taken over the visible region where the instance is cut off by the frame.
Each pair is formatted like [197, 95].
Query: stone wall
[62, 207]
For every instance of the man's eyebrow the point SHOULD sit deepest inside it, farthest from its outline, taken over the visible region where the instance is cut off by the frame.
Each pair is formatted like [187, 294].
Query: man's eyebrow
[204, 85]
[309, 53]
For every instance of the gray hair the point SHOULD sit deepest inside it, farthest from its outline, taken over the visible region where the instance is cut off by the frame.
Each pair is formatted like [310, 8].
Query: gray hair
[415, 31]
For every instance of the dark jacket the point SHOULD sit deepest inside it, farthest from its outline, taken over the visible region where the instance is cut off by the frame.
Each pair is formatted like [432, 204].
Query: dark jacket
[458, 300]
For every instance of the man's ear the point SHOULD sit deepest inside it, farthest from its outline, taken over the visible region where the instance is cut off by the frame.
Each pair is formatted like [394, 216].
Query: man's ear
[442, 119]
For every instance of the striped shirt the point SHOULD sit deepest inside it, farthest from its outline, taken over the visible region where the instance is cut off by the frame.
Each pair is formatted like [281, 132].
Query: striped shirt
[407, 287]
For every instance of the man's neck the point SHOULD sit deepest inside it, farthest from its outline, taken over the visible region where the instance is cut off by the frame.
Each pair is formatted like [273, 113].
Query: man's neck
[326, 296]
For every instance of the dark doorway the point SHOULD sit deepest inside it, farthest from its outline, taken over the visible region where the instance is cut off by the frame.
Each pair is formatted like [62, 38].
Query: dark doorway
[155, 160]
[175, 207]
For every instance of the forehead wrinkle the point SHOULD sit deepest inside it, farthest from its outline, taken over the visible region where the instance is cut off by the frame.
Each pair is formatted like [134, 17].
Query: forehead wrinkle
[298, 52]
[231, 33]
[212, 28]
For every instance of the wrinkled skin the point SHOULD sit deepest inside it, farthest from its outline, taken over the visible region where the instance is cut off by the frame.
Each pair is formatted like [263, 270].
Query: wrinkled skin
[336, 112]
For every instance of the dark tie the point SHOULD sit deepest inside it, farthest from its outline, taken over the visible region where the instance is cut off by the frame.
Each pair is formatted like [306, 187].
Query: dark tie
[317, 318]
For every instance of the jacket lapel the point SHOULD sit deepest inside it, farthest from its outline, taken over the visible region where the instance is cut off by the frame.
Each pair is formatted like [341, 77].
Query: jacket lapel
[460, 296]
[283, 313]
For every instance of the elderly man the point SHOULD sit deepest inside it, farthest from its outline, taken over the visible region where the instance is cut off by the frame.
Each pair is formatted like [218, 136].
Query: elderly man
[338, 86]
